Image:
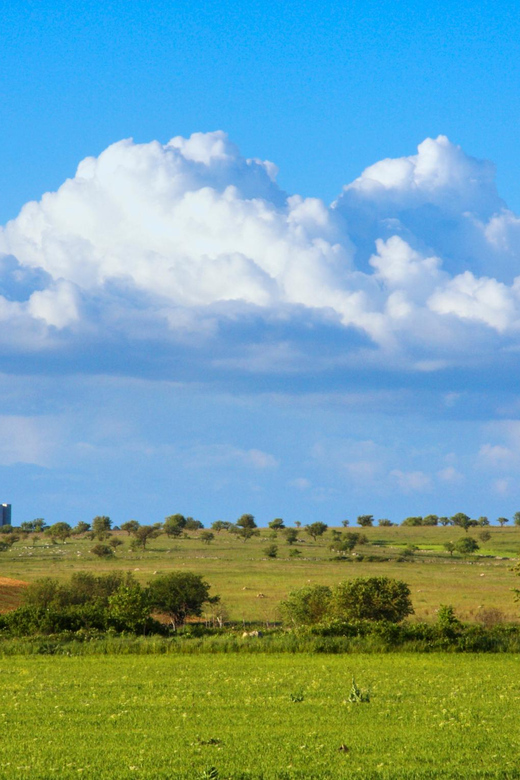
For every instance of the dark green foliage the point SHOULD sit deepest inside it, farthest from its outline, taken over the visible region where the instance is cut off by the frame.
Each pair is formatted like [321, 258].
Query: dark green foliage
[82, 588]
[466, 546]
[307, 605]
[412, 521]
[130, 526]
[180, 595]
[484, 536]
[174, 525]
[345, 543]
[502, 521]
[365, 521]
[220, 525]
[101, 526]
[193, 525]
[102, 550]
[143, 534]
[316, 529]
[271, 550]
[59, 531]
[81, 528]
[384, 523]
[277, 524]
[430, 520]
[129, 608]
[246, 521]
[207, 537]
[372, 598]
[463, 521]
[291, 535]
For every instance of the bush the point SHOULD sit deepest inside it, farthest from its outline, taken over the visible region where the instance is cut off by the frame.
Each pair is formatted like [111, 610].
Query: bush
[307, 605]
[102, 551]
[372, 598]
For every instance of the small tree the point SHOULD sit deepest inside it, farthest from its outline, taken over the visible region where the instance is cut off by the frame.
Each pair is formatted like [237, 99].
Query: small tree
[81, 528]
[466, 546]
[277, 524]
[59, 531]
[413, 521]
[246, 521]
[484, 536]
[449, 547]
[143, 534]
[180, 595]
[430, 520]
[463, 521]
[372, 598]
[345, 523]
[115, 543]
[482, 521]
[298, 524]
[444, 521]
[207, 537]
[246, 533]
[193, 525]
[219, 525]
[316, 529]
[130, 526]
[101, 526]
[271, 551]
[516, 518]
[174, 525]
[291, 535]
[365, 521]
[502, 521]
[384, 523]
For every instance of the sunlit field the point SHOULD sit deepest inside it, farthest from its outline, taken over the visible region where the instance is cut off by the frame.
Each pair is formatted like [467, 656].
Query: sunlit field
[262, 716]
[251, 585]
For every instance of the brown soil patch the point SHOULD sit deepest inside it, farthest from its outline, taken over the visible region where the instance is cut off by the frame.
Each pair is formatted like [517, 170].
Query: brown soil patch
[10, 593]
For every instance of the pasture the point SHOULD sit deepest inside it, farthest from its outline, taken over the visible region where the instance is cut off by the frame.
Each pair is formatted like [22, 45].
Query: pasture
[251, 585]
[259, 717]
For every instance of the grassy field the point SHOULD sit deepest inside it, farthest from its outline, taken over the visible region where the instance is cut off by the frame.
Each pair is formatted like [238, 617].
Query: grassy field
[260, 717]
[251, 585]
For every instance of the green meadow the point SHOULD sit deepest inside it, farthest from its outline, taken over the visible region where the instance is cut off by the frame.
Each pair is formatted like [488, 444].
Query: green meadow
[251, 585]
[261, 717]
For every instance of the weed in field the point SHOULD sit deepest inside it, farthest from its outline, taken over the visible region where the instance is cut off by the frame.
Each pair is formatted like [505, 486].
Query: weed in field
[357, 695]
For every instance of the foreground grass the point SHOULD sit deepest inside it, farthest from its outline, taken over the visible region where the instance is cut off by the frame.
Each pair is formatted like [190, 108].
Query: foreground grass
[252, 585]
[259, 717]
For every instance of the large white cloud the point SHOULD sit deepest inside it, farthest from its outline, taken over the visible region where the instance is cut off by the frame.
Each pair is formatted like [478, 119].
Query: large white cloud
[154, 242]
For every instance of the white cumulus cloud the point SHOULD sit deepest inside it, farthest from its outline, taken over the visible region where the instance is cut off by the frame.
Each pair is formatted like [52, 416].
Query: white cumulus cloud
[419, 256]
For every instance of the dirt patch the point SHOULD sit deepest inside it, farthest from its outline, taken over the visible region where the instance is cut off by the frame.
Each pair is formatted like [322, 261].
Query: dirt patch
[11, 593]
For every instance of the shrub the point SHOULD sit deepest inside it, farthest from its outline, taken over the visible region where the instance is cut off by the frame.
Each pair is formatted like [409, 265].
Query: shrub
[102, 550]
[307, 605]
[271, 550]
[372, 598]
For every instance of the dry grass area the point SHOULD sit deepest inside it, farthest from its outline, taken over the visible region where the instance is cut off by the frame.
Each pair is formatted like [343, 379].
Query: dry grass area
[10, 593]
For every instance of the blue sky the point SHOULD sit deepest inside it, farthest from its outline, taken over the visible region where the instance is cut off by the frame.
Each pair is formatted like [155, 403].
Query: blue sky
[186, 328]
